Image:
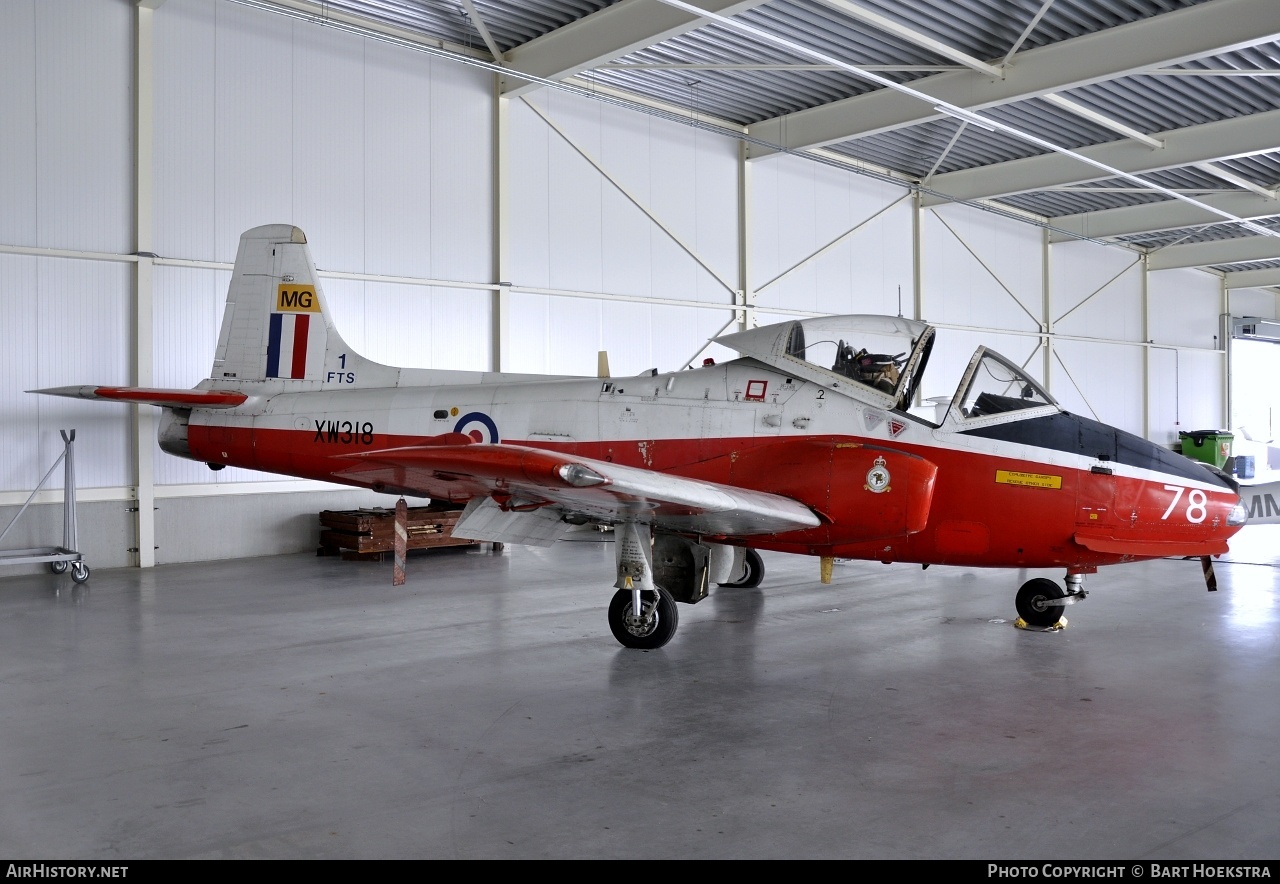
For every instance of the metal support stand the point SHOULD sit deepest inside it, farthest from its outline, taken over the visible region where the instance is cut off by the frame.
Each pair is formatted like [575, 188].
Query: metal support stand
[59, 558]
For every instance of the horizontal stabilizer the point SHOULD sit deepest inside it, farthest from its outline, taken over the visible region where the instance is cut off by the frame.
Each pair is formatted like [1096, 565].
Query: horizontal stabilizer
[152, 396]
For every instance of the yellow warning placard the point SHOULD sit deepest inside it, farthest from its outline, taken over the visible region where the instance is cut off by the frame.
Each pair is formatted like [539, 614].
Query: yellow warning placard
[296, 299]
[1035, 480]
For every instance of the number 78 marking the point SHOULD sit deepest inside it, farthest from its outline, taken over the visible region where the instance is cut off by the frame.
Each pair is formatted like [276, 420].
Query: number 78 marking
[1196, 501]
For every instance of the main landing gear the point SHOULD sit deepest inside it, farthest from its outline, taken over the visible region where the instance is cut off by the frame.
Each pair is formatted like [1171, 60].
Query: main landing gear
[1040, 601]
[754, 573]
[643, 618]
[655, 572]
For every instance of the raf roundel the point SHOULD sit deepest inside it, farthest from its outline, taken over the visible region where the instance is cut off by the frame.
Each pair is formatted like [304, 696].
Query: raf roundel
[478, 425]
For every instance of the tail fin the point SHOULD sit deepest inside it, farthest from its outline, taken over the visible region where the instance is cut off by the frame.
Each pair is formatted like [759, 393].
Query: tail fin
[277, 325]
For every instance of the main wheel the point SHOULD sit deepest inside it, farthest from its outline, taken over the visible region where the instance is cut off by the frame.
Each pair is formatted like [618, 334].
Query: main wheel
[1032, 598]
[755, 572]
[79, 572]
[652, 628]
[58, 567]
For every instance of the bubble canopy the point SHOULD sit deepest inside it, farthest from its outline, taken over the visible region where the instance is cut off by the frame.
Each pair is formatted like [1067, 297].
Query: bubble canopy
[882, 359]
[876, 357]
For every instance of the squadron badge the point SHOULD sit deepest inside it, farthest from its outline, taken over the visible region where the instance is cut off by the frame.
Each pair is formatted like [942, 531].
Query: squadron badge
[877, 477]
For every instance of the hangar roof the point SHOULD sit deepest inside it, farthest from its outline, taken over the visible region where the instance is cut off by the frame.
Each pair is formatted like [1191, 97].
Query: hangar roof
[1152, 123]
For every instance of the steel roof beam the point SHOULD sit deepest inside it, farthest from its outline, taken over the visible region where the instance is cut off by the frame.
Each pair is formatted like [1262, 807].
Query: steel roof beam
[889, 26]
[1242, 136]
[602, 36]
[1224, 251]
[1253, 279]
[1156, 217]
[1195, 32]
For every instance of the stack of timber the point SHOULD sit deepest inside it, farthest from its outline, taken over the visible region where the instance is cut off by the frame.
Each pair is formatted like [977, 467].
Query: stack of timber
[371, 533]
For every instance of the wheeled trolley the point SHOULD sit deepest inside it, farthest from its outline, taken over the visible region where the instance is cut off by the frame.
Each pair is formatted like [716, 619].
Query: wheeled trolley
[59, 558]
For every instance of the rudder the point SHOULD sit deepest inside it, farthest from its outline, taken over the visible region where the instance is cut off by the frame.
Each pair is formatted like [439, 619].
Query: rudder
[277, 326]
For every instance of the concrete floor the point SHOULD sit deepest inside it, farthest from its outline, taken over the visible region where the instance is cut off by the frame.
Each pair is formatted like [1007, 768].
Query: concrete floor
[302, 707]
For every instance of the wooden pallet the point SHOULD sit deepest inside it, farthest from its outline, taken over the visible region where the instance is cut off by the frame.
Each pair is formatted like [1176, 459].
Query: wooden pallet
[369, 534]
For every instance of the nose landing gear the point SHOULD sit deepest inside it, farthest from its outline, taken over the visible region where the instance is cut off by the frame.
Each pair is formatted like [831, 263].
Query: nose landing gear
[1040, 601]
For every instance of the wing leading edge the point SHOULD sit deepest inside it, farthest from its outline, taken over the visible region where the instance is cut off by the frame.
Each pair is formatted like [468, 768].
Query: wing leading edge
[521, 481]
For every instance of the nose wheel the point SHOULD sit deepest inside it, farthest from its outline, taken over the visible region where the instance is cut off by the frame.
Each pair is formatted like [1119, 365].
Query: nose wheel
[1040, 601]
[1036, 602]
[651, 625]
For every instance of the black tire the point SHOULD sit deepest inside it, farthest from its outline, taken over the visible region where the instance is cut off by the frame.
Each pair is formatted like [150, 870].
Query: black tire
[58, 567]
[79, 572]
[653, 633]
[1031, 599]
[755, 572]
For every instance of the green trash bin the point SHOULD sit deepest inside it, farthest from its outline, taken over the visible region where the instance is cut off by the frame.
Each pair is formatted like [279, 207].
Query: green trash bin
[1210, 446]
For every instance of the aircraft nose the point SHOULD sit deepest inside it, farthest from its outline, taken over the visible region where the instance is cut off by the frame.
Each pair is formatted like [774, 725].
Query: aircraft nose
[1239, 514]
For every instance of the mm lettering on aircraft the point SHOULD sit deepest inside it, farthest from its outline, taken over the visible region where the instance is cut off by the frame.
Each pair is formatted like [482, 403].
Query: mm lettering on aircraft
[809, 442]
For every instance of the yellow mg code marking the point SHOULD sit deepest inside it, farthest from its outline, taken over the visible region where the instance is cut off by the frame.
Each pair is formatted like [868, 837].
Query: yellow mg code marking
[1035, 480]
[291, 298]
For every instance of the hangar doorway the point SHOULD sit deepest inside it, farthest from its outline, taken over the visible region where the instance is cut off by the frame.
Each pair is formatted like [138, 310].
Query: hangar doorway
[1255, 393]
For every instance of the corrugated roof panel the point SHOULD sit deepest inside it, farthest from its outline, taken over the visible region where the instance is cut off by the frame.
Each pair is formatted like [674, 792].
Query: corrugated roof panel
[509, 23]
[1247, 265]
[1053, 203]
[988, 29]
[716, 71]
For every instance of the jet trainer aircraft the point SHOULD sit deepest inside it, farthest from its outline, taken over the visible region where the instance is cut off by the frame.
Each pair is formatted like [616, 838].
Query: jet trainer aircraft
[804, 445]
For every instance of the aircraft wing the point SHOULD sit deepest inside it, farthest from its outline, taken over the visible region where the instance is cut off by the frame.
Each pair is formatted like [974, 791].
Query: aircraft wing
[532, 487]
[152, 396]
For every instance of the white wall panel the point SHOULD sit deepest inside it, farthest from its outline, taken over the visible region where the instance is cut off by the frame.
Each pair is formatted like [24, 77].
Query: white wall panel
[84, 76]
[1201, 401]
[573, 336]
[426, 327]
[461, 167]
[20, 464]
[256, 125]
[629, 268]
[18, 134]
[397, 144]
[553, 335]
[1096, 291]
[690, 332]
[1162, 395]
[328, 159]
[980, 269]
[1184, 307]
[529, 197]
[1253, 302]
[1185, 392]
[185, 130]
[382, 157]
[799, 207]
[83, 336]
[413, 326]
[1102, 381]
[574, 218]
[575, 228]
[686, 178]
